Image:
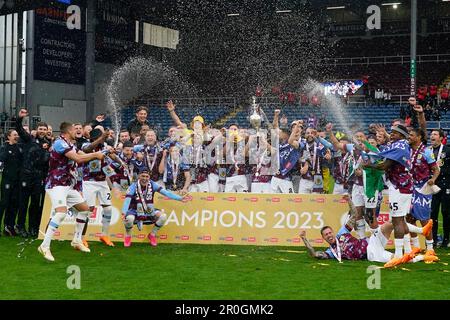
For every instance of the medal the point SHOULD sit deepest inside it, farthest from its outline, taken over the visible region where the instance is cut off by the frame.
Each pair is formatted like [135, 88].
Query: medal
[337, 254]
[313, 172]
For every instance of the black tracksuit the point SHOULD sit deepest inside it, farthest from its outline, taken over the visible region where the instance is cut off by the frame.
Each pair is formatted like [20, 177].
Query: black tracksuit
[11, 157]
[441, 200]
[33, 173]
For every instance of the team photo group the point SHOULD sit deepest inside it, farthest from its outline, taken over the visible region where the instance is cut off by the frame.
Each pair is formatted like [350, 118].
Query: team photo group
[87, 164]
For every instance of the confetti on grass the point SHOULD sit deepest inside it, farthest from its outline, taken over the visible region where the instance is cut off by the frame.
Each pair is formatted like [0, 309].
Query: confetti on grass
[291, 251]
[281, 259]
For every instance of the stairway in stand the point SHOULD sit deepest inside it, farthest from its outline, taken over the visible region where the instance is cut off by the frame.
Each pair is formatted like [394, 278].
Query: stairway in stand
[222, 121]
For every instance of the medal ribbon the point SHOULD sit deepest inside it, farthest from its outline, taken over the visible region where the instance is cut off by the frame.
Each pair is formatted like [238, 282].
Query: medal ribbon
[143, 197]
[338, 254]
[147, 154]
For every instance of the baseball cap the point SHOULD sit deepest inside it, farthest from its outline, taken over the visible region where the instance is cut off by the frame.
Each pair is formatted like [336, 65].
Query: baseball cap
[400, 129]
[198, 118]
[144, 170]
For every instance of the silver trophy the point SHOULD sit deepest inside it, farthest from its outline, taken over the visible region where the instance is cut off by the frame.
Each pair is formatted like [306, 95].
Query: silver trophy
[255, 117]
[255, 121]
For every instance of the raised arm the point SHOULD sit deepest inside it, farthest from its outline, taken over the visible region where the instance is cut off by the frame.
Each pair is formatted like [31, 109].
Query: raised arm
[294, 138]
[26, 137]
[91, 146]
[276, 121]
[313, 253]
[420, 115]
[337, 145]
[171, 108]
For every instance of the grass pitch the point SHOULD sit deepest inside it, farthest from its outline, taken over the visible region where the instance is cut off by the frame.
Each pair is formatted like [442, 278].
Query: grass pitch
[173, 271]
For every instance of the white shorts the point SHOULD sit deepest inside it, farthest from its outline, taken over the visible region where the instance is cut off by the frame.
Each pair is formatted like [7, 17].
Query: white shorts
[261, 187]
[305, 186]
[399, 203]
[97, 189]
[296, 182]
[372, 202]
[358, 195]
[213, 182]
[339, 189]
[281, 186]
[236, 184]
[376, 248]
[64, 197]
[200, 187]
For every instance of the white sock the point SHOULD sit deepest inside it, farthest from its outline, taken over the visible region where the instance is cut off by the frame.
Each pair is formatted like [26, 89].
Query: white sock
[106, 220]
[79, 226]
[415, 242]
[53, 225]
[429, 244]
[361, 228]
[129, 221]
[418, 258]
[414, 228]
[407, 242]
[159, 223]
[398, 248]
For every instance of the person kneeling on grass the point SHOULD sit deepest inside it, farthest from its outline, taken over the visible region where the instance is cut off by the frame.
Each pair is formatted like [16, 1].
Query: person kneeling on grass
[138, 206]
[345, 246]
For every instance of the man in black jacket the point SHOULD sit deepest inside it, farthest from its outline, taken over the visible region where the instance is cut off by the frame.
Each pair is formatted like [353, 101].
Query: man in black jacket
[136, 124]
[441, 200]
[33, 173]
[11, 157]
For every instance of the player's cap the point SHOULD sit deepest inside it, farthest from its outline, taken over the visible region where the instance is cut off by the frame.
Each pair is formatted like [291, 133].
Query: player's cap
[144, 170]
[400, 129]
[198, 118]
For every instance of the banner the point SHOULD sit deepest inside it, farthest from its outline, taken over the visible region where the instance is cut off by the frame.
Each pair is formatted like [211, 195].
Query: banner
[115, 31]
[60, 43]
[228, 218]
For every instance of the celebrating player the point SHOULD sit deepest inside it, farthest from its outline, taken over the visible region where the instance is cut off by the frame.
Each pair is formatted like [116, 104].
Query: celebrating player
[95, 185]
[60, 187]
[344, 246]
[396, 165]
[423, 166]
[138, 206]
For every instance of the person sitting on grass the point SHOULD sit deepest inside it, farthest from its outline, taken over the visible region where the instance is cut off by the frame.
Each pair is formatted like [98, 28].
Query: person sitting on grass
[345, 246]
[138, 206]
